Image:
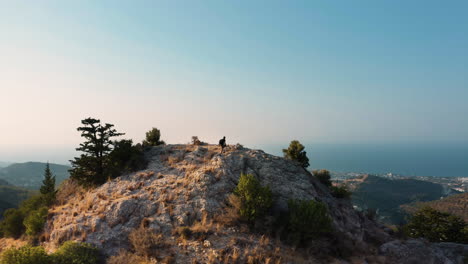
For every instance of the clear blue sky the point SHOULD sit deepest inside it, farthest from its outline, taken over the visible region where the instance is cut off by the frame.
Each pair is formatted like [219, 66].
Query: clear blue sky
[259, 72]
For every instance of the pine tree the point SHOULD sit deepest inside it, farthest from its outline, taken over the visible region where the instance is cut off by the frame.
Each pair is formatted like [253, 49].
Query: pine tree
[90, 167]
[48, 186]
[296, 152]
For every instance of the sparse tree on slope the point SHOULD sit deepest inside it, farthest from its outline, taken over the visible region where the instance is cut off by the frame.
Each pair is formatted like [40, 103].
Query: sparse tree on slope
[48, 186]
[296, 152]
[153, 138]
[89, 168]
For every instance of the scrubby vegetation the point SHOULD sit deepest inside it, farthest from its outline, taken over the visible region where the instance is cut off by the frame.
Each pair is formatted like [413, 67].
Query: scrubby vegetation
[296, 152]
[323, 176]
[125, 158]
[146, 246]
[68, 253]
[307, 220]
[153, 138]
[340, 192]
[76, 253]
[337, 191]
[454, 204]
[197, 142]
[255, 199]
[25, 255]
[437, 226]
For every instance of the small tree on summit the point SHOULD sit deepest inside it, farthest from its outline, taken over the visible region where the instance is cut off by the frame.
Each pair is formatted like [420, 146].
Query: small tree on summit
[89, 168]
[153, 138]
[48, 186]
[296, 152]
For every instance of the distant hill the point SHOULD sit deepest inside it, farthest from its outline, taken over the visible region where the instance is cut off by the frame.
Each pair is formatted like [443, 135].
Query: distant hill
[387, 195]
[455, 204]
[4, 164]
[30, 174]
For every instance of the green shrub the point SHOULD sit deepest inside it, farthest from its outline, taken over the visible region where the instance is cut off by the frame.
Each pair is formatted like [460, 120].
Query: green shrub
[437, 226]
[153, 138]
[296, 152]
[256, 200]
[124, 158]
[307, 220]
[12, 224]
[340, 192]
[323, 176]
[25, 255]
[76, 253]
[35, 221]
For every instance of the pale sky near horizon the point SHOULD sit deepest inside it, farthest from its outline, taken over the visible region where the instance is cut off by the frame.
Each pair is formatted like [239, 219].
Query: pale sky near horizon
[258, 72]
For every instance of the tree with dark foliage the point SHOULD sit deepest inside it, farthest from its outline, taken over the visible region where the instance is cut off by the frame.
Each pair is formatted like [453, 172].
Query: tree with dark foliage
[125, 158]
[48, 186]
[153, 138]
[89, 168]
[296, 152]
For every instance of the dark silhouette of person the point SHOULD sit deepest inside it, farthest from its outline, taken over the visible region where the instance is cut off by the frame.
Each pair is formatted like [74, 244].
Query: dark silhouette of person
[222, 143]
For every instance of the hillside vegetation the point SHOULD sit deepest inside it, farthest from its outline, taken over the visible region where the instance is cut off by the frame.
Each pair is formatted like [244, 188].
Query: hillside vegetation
[388, 195]
[456, 204]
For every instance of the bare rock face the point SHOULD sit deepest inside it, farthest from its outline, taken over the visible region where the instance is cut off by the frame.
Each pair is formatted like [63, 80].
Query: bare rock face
[420, 251]
[184, 183]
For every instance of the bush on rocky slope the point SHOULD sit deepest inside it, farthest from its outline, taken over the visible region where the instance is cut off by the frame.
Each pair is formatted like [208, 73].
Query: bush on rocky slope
[255, 199]
[437, 226]
[69, 253]
[307, 220]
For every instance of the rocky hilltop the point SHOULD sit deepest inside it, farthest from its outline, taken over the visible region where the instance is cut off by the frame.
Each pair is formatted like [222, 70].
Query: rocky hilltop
[189, 186]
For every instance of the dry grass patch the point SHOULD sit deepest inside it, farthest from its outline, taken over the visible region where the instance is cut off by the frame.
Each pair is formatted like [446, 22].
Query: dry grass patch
[230, 215]
[147, 243]
[67, 190]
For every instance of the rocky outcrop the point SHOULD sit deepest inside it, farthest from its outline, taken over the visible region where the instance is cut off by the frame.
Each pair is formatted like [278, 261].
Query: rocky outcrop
[185, 184]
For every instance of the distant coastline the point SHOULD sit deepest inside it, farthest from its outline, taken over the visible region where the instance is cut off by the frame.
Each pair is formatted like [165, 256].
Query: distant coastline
[429, 160]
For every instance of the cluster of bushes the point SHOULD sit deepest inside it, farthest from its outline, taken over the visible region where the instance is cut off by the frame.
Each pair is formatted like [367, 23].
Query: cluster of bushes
[337, 191]
[437, 226]
[103, 158]
[69, 253]
[304, 220]
[31, 215]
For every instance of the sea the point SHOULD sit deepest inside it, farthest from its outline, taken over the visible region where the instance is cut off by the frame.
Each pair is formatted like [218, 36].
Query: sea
[409, 159]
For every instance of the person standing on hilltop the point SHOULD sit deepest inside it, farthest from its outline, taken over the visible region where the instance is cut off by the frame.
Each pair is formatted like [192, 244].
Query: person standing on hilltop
[222, 143]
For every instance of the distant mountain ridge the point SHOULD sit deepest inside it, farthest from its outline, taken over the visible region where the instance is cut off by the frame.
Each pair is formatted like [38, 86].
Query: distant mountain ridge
[4, 164]
[30, 174]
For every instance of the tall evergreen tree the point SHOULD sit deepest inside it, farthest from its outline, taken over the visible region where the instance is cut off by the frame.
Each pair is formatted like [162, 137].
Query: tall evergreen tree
[48, 186]
[89, 168]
